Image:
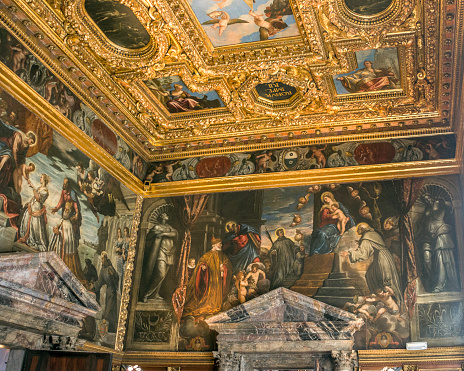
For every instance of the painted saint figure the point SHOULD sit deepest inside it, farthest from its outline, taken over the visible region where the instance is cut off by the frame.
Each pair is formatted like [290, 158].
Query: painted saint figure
[67, 233]
[14, 145]
[283, 257]
[382, 271]
[210, 282]
[241, 244]
[34, 222]
[159, 256]
[369, 79]
[180, 100]
[108, 277]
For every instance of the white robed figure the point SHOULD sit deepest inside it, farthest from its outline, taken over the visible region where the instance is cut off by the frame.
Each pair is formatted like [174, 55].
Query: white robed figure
[33, 229]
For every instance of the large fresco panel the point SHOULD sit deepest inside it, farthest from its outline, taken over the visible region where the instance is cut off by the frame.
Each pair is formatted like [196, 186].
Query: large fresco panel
[55, 198]
[386, 251]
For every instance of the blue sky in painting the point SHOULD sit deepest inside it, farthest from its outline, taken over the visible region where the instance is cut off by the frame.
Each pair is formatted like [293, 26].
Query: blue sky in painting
[279, 207]
[210, 94]
[369, 55]
[240, 32]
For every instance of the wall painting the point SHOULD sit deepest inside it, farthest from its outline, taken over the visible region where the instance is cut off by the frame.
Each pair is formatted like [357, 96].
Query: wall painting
[34, 73]
[54, 198]
[386, 251]
[305, 158]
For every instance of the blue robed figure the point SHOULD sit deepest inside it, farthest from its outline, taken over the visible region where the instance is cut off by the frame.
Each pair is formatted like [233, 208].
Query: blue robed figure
[325, 238]
[241, 245]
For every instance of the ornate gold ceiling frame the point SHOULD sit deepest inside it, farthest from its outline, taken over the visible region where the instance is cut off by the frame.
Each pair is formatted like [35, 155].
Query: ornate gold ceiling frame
[252, 55]
[160, 117]
[306, 92]
[325, 124]
[116, 56]
[373, 27]
[405, 44]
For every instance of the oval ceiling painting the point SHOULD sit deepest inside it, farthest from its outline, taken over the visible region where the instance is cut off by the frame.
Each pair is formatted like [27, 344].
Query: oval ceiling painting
[118, 23]
[367, 7]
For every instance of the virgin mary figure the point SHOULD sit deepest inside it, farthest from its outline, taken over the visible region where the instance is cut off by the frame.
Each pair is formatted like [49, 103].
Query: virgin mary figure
[325, 238]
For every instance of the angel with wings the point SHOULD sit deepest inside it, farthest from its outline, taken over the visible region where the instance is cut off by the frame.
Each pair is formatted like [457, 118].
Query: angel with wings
[220, 19]
[267, 27]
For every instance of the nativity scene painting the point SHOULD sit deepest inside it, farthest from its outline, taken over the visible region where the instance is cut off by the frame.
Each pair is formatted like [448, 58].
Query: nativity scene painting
[172, 92]
[378, 69]
[231, 22]
[385, 251]
[54, 198]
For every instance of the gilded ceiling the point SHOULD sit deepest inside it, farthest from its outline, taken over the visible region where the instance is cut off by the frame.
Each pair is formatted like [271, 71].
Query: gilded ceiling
[179, 79]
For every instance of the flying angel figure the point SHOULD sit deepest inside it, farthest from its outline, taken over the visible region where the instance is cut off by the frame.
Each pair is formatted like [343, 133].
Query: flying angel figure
[267, 27]
[222, 20]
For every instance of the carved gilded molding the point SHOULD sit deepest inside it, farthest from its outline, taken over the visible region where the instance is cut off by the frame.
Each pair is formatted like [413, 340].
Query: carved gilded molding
[323, 49]
[304, 177]
[126, 292]
[403, 356]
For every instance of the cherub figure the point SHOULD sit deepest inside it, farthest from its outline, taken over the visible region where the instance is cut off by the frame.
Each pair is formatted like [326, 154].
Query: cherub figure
[340, 216]
[241, 284]
[384, 296]
[220, 19]
[253, 276]
[267, 27]
[263, 161]
[319, 156]
[19, 57]
[169, 168]
[22, 172]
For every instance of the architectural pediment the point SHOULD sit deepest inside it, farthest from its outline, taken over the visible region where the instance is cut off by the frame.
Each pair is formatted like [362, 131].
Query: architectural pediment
[295, 329]
[40, 294]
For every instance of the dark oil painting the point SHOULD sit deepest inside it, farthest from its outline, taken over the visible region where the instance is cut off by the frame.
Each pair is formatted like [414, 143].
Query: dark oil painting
[367, 7]
[118, 23]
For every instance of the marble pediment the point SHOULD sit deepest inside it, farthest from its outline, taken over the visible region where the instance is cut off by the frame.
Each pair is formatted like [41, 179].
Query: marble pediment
[286, 315]
[39, 293]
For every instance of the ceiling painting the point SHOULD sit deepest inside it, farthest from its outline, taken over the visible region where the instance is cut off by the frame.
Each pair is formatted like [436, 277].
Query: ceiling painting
[231, 22]
[367, 7]
[176, 97]
[118, 23]
[377, 70]
[362, 71]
